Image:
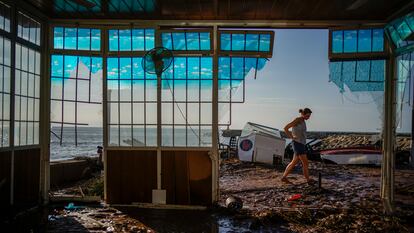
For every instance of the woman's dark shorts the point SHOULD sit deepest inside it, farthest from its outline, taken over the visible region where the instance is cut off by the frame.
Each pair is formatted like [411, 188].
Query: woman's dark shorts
[298, 148]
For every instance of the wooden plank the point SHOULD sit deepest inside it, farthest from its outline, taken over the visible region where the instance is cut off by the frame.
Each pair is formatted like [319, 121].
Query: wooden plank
[187, 177]
[26, 176]
[113, 179]
[200, 178]
[182, 185]
[168, 175]
[175, 178]
[5, 166]
[131, 176]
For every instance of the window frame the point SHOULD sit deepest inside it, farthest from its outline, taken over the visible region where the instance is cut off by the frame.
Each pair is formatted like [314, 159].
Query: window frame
[105, 53]
[64, 51]
[189, 52]
[357, 55]
[78, 53]
[259, 54]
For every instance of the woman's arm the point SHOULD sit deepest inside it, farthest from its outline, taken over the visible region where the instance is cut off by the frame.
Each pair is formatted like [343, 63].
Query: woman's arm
[290, 125]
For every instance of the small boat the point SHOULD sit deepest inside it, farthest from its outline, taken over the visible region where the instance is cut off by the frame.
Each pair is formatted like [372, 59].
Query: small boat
[352, 156]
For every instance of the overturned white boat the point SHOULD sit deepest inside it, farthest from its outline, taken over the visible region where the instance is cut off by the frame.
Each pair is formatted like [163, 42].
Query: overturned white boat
[352, 156]
[259, 143]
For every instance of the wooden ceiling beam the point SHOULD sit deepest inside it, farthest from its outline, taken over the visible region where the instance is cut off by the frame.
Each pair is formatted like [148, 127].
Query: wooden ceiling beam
[317, 24]
[200, 8]
[269, 15]
[185, 6]
[257, 9]
[228, 10]
[408, 7]
[215, 8]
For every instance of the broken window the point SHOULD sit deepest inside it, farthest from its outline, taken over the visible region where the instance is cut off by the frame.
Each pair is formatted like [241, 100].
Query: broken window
[362, 75]
[242, 53]
[76, 100]
[76, 91]
[357, 59]
[404, 89]
[231, 82]
[401, 33]
[131, 93]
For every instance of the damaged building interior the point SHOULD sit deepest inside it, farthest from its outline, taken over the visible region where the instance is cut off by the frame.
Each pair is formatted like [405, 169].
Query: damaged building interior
[156, 81]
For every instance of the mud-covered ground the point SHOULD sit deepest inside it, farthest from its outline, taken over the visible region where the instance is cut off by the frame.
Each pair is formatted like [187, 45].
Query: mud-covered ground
[347, 201]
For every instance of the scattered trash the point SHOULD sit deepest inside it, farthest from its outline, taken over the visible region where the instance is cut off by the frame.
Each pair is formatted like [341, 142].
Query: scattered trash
[234, 203]
[351, 192]
[72, 206]
[110, 229]
[294, 197]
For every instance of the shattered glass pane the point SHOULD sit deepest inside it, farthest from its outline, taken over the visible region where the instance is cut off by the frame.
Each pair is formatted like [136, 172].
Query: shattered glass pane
[358, 76]
[401, 32]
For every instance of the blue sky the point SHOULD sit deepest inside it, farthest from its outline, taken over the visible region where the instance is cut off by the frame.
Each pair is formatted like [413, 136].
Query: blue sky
[298, 76]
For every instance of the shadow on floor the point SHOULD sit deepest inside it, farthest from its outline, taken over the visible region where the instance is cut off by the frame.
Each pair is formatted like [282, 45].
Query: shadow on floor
[196, 221]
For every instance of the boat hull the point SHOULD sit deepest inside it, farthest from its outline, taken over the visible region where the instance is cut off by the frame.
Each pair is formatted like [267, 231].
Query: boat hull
[353, 157]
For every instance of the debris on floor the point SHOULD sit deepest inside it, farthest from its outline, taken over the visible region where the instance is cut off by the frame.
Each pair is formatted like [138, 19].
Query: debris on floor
[90, 219]
[349, 200]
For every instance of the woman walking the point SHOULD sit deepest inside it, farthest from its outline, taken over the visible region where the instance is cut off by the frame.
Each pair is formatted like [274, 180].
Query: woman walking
[298, 136]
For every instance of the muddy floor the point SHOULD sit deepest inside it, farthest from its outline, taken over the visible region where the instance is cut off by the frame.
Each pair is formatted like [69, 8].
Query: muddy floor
[132, 219]
[347, 201]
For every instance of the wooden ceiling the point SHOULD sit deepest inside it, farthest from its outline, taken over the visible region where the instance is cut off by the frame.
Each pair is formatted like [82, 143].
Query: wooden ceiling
[224, 9]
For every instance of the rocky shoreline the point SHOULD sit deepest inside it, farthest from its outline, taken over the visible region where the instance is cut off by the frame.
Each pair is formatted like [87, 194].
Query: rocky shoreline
[335, 141]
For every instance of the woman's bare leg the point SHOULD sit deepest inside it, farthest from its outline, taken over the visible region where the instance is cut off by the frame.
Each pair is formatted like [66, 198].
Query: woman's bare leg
[290, 166]
[305, 165]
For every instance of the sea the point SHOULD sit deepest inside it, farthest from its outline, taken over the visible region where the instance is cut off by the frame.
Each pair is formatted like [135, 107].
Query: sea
[89, 138]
